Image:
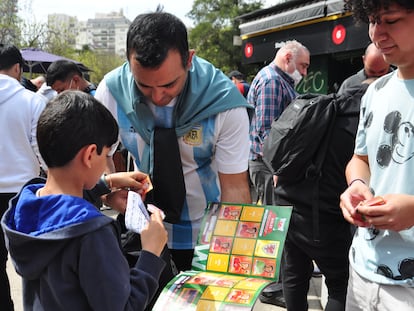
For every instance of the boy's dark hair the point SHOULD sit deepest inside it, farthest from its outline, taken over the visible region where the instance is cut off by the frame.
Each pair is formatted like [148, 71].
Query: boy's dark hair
[363, 9]
[61, 70]
[151, 36]
[9, 56]
[71, 121]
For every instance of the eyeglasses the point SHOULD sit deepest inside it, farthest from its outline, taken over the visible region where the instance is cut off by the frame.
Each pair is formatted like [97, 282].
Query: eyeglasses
[113, 149]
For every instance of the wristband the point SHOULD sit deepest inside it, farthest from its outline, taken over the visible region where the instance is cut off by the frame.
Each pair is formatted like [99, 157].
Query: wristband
[110, 181]
[103, 178]
[356, 179]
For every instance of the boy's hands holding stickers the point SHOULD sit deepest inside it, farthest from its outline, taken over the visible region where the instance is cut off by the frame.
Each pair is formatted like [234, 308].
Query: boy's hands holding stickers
[392, 211]
[151, 228]
[128, 192]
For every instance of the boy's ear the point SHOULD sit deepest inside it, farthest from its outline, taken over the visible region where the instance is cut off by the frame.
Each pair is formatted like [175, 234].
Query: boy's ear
[87, 155]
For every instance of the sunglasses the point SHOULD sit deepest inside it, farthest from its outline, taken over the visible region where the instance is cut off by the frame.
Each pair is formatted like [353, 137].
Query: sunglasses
[113, 149]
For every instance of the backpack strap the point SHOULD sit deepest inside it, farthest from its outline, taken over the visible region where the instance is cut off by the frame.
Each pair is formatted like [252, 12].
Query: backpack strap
[314, 172]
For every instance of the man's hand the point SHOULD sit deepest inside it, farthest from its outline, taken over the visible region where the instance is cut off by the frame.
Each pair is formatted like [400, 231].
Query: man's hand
[120, 183]
[135, 181]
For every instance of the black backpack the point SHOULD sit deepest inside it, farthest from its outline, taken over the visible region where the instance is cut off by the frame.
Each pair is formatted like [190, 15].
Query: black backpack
[297, 142]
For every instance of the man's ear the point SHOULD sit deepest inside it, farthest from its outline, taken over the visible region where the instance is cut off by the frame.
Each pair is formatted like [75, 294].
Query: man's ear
[87, 154]
[288, 57]
[191, 54]
[16, 71]
[76, 79]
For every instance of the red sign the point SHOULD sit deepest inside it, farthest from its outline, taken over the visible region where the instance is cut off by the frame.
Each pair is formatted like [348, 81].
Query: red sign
[248, 50]
[338, 34]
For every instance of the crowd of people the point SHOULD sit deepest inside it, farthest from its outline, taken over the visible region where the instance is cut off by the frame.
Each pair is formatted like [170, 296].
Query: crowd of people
[199, 134]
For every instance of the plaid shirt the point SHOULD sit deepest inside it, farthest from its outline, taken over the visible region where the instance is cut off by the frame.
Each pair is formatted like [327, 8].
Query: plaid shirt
[270, 93]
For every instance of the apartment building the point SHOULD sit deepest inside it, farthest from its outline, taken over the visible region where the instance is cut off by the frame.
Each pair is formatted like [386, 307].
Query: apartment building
[105, 33]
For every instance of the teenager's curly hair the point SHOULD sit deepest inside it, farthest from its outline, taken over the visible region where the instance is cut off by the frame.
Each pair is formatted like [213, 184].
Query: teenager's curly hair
[362, 9]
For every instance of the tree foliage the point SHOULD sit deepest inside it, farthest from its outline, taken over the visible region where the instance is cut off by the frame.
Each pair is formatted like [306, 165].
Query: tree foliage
[215, 21]
[215, 27]
[9, 22]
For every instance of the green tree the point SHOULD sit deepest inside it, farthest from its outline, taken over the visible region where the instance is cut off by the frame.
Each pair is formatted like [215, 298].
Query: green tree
[9, 22]
[215, 27]
[99, 63]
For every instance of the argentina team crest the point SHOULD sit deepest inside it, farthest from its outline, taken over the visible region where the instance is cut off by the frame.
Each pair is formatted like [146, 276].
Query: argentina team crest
[195, 136]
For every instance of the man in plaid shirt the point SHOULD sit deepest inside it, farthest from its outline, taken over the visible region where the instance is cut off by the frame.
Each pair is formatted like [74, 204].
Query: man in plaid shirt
[271, 91]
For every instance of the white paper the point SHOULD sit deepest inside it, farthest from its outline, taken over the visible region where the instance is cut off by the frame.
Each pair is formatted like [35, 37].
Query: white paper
[136, 215]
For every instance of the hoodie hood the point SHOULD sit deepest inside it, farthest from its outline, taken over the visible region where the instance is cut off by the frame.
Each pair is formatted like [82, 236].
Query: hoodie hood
[37, 228]
[9, 86]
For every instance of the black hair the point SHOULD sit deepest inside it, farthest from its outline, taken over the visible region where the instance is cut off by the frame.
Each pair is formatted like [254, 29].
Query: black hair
[151, 36]
[363, 9]
[9, 56]
[61, 70]
[71, 121]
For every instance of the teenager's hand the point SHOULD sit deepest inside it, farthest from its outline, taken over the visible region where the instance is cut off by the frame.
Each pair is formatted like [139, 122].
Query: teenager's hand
[154, 236]
[350, 199]
[397, 213]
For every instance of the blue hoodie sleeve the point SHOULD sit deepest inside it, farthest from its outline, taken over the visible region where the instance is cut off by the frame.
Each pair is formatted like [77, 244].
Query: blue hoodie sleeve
[106, 278]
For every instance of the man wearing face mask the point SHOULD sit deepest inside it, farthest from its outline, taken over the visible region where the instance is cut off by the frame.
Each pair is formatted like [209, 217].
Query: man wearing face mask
[271, 91]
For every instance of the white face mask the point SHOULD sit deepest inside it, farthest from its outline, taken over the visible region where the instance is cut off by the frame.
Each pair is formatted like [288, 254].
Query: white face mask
[296, 76]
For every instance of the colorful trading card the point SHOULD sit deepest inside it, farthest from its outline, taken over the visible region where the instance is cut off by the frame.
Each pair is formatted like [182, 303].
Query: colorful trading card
[242, 246]
[202, 279]
[221, 244]
[251, 283]
[217, 262]
[252, 213]
[215, 293]
[264, 267]
[266, 248]
[227, 280]
[240, 264]
[225, 227]
[248, 229]
[230, 212]
[147, 182]
[240, 296]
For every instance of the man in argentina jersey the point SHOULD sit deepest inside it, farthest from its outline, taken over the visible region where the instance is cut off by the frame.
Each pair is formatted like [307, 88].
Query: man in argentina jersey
[164, 84]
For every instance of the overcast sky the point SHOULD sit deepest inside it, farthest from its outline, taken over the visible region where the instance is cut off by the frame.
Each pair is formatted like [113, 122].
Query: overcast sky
[85, 9]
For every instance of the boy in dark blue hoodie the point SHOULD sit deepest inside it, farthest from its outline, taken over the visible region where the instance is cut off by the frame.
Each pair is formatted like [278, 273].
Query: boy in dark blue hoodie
[66, 251]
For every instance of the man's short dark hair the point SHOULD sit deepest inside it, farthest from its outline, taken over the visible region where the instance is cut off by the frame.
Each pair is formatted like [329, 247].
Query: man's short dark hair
[61, 70]
[151, 36]
[237, 74]
[362, 9]
[71, 121]
[9, 56]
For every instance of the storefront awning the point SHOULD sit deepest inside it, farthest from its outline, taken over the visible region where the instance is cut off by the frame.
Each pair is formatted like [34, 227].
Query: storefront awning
[287, 14]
